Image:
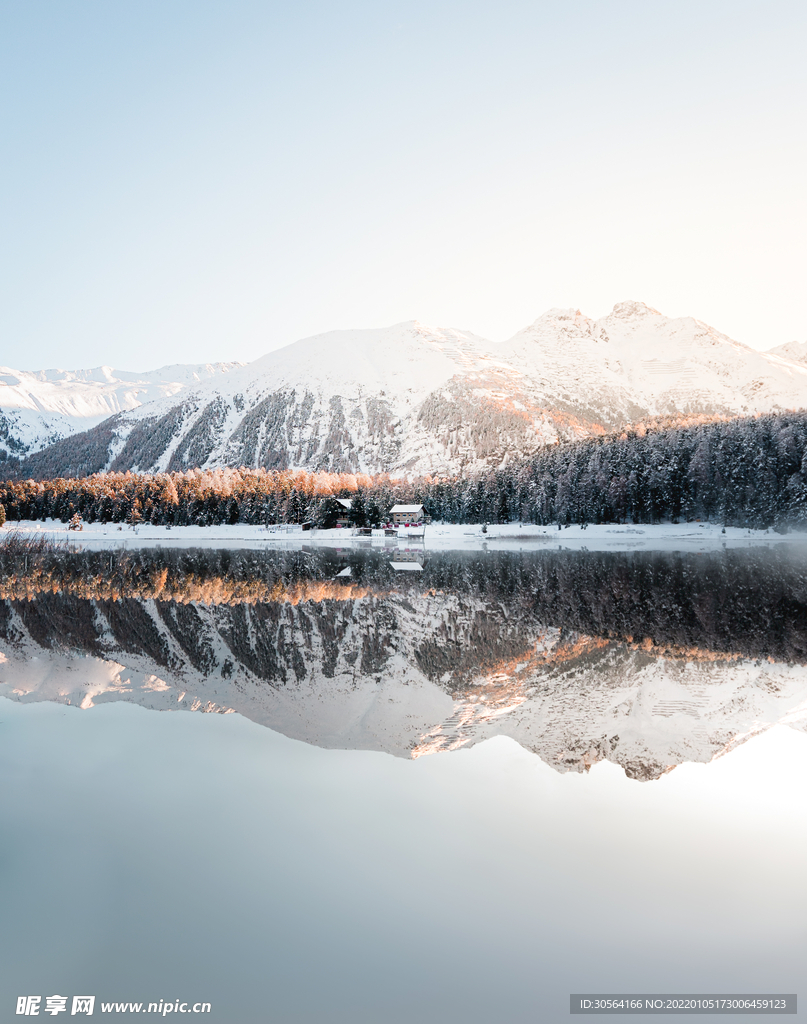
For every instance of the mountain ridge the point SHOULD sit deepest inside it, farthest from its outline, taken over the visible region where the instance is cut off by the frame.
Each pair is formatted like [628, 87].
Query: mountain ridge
[40, 407]
[416, 399]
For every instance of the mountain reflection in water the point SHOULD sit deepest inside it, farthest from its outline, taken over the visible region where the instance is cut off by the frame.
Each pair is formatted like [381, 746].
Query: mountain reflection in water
[647, 659]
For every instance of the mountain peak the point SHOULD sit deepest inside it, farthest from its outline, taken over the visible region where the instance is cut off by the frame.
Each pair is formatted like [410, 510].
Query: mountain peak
[792, 351]
[561, 313]
[569, 321]
[630, 309]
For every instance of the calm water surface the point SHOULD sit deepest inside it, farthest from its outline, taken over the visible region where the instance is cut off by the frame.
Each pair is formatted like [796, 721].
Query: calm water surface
[613, 798]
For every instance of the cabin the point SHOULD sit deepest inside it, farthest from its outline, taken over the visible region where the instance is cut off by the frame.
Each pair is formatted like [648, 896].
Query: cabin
[342, 519]
[400, 514]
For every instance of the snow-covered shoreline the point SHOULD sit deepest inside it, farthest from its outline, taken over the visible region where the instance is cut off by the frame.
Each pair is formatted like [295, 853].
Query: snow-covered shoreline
[435, 537]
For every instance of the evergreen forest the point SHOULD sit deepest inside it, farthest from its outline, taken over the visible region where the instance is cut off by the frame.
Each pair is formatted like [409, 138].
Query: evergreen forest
[747, 472]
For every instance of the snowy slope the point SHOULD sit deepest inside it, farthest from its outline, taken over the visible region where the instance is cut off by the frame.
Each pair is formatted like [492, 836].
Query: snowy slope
[40, 407]
[636, 363]
[417, 399]
[408, 359]
[405, 398]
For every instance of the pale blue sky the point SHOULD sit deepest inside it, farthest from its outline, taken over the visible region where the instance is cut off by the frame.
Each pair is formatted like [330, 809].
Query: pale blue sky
[186, 180]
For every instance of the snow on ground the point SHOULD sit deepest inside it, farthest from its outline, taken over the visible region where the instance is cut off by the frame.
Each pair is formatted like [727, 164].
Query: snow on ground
[436, 537]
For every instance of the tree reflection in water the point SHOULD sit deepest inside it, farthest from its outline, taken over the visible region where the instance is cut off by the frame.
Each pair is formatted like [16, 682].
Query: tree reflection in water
[645, 658]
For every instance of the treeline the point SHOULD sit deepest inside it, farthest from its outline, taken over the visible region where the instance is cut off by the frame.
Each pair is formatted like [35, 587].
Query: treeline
[731, 602]
[207, 498]
[744, 472]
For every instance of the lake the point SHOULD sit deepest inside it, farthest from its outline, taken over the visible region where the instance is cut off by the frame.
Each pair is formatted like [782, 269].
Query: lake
[432, 785]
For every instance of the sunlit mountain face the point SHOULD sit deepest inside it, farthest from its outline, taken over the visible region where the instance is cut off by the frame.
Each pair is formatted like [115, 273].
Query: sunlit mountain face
[409, 399]
[645, 659]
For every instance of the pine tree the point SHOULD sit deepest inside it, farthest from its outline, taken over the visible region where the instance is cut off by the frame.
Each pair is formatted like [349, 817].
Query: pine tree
[2, 515]
[357, 516]
[327, 513]
[135, 515]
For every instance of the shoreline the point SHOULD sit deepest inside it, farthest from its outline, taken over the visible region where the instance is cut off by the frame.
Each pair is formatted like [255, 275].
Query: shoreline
[435, 537]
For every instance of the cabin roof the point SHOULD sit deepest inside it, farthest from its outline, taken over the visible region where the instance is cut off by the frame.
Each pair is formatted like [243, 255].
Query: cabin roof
[406, 508]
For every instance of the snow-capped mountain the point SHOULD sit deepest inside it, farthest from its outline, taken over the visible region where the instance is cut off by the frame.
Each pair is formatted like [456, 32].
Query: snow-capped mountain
[417, 399]
[636, 364]
[40, 407]
[791, 352]
[405, 398]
